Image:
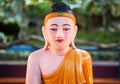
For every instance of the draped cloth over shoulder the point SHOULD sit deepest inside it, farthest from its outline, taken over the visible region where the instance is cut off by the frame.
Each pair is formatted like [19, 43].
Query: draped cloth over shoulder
[76, 68]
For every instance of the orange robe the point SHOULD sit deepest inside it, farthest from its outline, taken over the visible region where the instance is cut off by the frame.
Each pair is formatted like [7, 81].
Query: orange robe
[76, 68]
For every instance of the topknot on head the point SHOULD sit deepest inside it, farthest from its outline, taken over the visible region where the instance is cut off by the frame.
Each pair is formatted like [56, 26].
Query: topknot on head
[61, 7]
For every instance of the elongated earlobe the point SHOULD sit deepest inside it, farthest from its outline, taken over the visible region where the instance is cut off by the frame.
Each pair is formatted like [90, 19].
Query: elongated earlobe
[46, 42]
[73, 45]
[75, 32]
[46, 45]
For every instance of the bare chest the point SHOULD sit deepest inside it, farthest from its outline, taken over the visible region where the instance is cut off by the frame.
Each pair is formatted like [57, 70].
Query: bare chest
[49, 63]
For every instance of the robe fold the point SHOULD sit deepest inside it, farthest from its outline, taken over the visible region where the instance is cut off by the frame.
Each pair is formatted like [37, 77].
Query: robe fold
[76, 68]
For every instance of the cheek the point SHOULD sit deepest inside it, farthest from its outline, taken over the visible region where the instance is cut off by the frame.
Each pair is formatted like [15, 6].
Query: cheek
[47, 34]
[69, 35]
[50, 35]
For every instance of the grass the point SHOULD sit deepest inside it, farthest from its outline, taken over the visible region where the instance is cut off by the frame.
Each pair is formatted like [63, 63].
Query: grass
[99, 37]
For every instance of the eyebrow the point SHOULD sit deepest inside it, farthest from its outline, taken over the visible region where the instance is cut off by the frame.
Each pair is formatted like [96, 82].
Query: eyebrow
[63, 25]
[66, 25]
[53, 25]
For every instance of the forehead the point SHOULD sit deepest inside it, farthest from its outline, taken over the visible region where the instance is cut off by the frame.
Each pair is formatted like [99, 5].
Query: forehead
[60, 21]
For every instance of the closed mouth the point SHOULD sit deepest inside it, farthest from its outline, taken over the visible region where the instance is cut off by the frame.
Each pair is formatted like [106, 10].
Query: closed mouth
[60, 40]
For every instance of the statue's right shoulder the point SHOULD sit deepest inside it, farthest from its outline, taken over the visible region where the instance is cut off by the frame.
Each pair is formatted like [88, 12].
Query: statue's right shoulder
[37, 53]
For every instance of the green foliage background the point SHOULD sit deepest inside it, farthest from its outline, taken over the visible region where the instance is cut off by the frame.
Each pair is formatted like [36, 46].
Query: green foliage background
[97, 20]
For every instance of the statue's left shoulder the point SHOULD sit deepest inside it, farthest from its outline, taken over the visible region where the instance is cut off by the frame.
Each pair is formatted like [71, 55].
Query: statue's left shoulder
[84, 54]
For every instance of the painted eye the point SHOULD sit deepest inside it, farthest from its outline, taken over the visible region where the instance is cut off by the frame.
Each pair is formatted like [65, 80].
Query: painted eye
[53, 29]
[66, 29]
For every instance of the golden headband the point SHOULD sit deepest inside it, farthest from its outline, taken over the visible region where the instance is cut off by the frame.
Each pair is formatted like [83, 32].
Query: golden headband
[60, 14]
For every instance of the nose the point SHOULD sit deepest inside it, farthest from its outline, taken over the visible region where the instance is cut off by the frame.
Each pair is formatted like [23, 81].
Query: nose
[60, 33]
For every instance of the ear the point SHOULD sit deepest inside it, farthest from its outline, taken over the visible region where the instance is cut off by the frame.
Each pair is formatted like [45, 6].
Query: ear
[76, 28]
[46, 42]
[74, 34]
[43, 31]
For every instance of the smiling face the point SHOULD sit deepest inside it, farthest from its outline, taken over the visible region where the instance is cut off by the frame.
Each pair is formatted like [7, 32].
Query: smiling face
[60, 32]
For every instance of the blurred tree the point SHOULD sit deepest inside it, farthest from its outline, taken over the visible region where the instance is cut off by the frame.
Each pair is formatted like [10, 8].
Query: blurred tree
[92, 15]
[98, 14]
[18, 12]
[56, 0]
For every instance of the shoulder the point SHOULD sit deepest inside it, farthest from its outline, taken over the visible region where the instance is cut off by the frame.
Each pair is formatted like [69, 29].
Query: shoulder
[84, 54]
[35, 55]
[37, 52]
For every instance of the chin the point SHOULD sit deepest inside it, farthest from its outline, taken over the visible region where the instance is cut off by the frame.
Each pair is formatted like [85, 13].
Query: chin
[60, 47]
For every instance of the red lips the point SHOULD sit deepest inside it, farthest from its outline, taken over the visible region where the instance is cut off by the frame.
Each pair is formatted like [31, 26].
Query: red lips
[60, 40]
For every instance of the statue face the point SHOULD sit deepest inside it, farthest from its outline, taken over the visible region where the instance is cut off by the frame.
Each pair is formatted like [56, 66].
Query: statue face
[60, 31]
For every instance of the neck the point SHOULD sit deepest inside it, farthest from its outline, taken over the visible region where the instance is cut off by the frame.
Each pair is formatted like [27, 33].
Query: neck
[59, 52]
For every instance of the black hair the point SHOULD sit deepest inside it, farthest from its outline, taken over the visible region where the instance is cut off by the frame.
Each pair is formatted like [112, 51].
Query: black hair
[61, 7]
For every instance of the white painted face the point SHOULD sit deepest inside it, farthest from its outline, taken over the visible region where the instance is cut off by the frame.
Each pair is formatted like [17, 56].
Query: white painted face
[60, 32]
